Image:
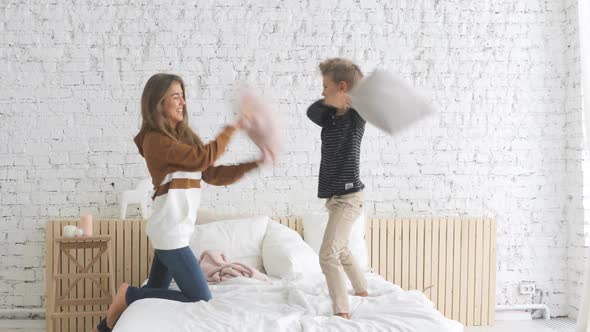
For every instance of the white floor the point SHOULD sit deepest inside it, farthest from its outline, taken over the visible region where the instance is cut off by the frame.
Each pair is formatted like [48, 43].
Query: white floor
[537, 325]
[13, 325]
[559, 325]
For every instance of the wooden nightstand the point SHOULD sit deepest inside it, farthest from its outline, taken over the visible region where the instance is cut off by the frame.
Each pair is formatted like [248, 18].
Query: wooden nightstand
[64, 249]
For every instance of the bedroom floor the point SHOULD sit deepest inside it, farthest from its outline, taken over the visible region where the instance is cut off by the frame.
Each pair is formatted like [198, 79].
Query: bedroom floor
[554, 325]
[538, 325]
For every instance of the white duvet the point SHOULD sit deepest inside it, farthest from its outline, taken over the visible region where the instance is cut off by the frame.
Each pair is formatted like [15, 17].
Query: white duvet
[297, 304]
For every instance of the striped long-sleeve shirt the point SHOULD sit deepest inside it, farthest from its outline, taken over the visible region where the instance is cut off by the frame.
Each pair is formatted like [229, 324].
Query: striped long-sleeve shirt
[341, 148]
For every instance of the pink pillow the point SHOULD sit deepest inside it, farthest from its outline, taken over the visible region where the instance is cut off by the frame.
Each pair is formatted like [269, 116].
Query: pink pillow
[261, 124]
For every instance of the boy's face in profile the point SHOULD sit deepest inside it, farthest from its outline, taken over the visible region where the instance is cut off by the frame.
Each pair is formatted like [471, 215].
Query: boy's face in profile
[334, 93]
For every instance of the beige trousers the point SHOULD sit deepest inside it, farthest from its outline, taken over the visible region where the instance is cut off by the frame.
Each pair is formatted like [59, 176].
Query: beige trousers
[335, 257]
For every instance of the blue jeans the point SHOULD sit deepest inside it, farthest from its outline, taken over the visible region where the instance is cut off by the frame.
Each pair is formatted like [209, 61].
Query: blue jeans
[180, 264]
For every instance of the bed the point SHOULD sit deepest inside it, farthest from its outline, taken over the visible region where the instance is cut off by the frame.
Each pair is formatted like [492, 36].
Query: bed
[295, 300]
[288, 305]
[298, 301]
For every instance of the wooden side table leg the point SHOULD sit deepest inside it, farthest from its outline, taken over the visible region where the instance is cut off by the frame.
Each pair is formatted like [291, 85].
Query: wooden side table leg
[111, 269]
[56, 267]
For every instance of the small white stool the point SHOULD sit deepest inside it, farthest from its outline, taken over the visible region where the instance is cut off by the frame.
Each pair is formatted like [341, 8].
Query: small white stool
[140, 195]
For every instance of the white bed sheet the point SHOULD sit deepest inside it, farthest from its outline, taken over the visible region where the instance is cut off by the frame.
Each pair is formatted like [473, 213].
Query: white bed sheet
[298, 304]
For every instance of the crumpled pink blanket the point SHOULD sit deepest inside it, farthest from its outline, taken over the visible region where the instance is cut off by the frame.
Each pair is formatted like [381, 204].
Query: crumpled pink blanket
[217, 268]
[261, 124]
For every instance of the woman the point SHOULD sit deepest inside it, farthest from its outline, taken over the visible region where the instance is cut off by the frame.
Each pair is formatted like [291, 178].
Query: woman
[177, 161]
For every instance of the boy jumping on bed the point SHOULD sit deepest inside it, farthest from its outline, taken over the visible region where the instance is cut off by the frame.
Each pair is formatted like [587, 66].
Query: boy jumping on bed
[339, 182]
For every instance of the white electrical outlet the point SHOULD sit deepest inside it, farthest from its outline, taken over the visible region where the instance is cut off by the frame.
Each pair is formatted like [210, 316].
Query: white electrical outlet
[527, 287]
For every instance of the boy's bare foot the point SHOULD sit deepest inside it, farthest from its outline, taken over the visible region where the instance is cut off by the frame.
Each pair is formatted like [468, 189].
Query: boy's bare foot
[118, 306]
[344, 315]
[362, 294]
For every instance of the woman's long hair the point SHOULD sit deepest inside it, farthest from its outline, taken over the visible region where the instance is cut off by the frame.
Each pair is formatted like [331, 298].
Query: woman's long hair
[153, 119]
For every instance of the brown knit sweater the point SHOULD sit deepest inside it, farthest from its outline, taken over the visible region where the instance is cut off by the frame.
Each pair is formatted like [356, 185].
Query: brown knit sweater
[164, 155]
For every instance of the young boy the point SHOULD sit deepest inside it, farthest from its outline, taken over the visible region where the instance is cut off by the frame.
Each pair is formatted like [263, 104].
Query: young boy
[339, 182]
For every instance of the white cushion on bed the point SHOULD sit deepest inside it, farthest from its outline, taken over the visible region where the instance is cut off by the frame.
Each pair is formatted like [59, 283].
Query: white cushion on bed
[388, 102]
[239, 239]
[205, 216]
[314, 226]
[285, 254]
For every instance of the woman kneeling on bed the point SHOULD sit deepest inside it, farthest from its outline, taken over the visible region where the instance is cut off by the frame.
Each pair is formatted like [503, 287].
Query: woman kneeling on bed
[177, 161]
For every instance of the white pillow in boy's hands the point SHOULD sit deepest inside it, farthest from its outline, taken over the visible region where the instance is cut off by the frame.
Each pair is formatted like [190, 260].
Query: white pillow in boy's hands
[388, 103]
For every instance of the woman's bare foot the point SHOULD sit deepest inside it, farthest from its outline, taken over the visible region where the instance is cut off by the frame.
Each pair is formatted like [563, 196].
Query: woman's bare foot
[344, 315]
[362, 294]
[118, 306]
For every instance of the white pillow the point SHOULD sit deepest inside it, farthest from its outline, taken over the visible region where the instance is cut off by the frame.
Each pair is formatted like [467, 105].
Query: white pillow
[239, 239]
[205, 216]
[285, 254]
[388, 102]
[314, 226]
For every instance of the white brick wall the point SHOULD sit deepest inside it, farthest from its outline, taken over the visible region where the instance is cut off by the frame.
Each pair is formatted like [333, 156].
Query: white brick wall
[577, 163]
[72, 74]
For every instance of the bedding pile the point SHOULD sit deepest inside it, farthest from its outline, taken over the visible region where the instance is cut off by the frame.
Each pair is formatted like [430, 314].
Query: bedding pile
[217, 268]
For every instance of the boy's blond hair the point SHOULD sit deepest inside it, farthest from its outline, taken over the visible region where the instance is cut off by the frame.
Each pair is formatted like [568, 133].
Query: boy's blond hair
[339, 69]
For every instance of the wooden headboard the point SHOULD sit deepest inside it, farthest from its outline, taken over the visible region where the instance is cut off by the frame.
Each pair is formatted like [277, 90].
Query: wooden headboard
[451, 259]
